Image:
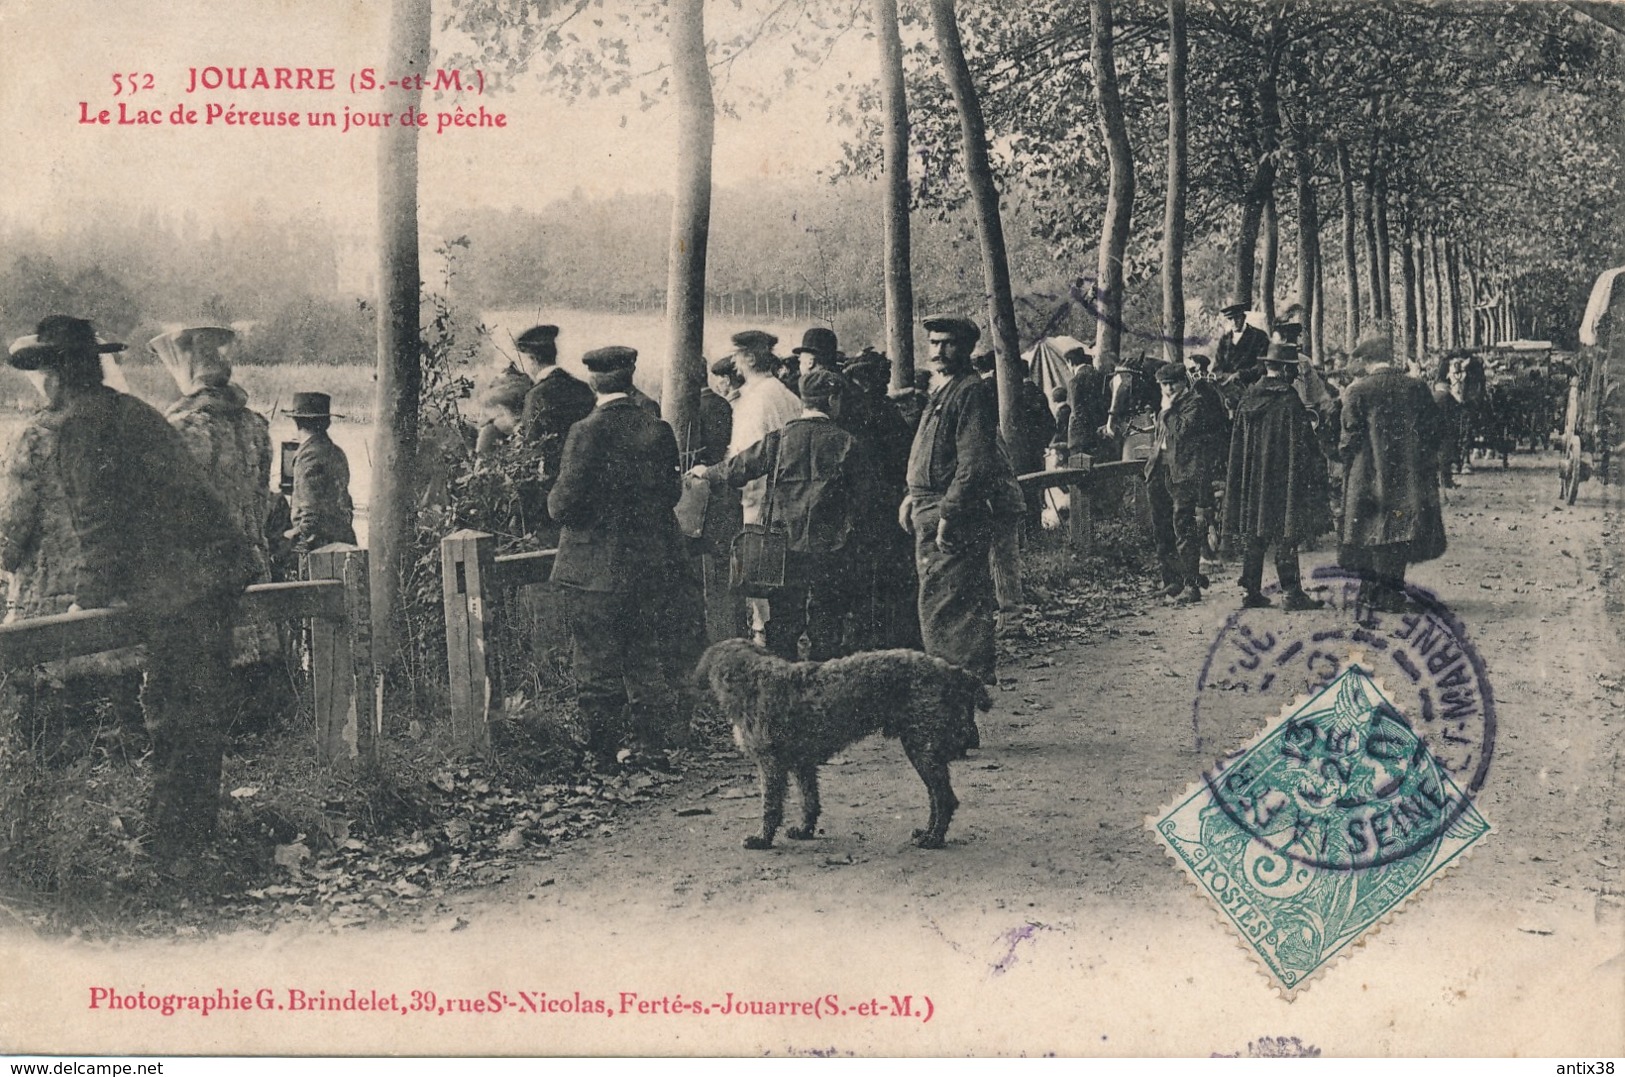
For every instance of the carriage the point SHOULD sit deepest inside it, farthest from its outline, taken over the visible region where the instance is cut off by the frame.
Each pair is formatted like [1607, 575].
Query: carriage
[1592, 416]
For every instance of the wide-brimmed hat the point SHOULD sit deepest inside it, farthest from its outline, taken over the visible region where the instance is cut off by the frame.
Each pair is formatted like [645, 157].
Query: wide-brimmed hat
[615, 357]
[961, 329]
[205, 336]
[58, 335]
[818, 341]
[311, 406]
[538, 338]
[1283, 353]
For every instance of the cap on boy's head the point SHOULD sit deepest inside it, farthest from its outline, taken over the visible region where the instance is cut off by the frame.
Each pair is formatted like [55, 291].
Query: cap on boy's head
[614, 357]
[538, 340]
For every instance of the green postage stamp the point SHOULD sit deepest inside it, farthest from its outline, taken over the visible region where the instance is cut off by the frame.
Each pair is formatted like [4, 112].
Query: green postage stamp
[1320, 828]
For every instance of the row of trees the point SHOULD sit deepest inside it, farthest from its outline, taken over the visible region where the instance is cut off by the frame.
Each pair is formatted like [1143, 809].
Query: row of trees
[1473, 143]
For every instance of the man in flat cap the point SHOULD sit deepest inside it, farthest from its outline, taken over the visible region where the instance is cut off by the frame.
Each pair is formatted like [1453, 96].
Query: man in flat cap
[1276, 491]
[818, 483]
[1178, 476]
[953, 470]
[622, 563]
[1242, 348]
[154, 537]
[556, 401]
[763, 406]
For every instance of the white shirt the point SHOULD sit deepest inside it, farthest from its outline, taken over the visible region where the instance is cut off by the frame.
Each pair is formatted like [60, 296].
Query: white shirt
[605, 398]
[764, 405]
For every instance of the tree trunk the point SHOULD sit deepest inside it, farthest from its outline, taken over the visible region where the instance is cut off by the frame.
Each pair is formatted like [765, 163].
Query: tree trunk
[1373, 260]
[1260, 193]
[1351, 269]
[1475, 326]
[1452, 274]
[1384, 247]
[1120, 191]
[1317, 323]
[690, 223]
[392, 516]
[1441, 324]
[1421, 285]
[1173, 221]
[989, 226]
[1271, 259]
[899, 274]
[1308, 228]
[1408, 275]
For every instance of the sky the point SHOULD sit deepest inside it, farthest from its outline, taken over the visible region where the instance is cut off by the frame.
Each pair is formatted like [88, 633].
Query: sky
[61, 171]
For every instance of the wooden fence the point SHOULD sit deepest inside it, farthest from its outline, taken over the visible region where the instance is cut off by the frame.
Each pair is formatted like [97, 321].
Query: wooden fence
[475, 576]
[333, 598]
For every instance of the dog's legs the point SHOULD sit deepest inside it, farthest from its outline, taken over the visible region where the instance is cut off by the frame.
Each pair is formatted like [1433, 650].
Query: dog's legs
[807, 779]
[774, 780]
[933, 770]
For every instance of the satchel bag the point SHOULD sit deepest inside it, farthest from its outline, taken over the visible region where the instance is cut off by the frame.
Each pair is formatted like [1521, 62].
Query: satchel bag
[758, 556]
[691, 506]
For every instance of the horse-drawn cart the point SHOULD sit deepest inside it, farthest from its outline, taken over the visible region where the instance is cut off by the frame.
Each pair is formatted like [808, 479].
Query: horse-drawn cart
[1592, 419]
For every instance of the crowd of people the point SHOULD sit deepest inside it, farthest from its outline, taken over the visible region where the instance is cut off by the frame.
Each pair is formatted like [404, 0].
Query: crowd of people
[895, 512]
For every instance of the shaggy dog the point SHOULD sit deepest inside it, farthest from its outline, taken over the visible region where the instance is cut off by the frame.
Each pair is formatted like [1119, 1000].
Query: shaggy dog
[789, 717]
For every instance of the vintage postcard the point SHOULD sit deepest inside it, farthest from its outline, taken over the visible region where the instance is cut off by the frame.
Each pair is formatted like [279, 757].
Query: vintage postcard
[1227, 664]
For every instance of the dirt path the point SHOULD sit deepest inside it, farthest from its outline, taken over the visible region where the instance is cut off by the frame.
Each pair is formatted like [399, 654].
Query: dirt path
[1052, 922]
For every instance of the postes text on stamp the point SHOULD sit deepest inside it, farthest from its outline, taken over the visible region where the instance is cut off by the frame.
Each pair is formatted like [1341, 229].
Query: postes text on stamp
[1323, 826]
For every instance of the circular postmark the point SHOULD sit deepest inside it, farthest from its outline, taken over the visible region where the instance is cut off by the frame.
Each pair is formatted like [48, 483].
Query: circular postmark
[1359, 765]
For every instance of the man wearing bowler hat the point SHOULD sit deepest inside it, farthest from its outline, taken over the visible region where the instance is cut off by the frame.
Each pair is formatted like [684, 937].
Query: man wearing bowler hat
[1178, 479]
[1242, 348]
[953, 471]
[322, 510]
[1276, 489]
[557, 401]
[154, 537]
[634, 610]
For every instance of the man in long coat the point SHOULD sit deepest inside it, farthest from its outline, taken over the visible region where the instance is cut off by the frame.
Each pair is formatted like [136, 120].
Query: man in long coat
[1390, 452]
[952, 472]
[152, 536]
[622, 563]
[1275, 494]
[1087, 395]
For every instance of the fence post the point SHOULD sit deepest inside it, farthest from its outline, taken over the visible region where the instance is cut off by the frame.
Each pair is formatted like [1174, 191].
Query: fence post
[346, 697]
[466, 562]
[1081, 518]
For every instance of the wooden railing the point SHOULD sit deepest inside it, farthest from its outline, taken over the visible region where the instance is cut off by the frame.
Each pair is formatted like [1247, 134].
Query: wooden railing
[333, 598]
[475, 577]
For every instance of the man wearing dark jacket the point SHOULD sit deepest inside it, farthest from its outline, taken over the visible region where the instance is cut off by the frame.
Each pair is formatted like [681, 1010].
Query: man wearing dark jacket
[952, 471]
[152, 536]
[322, 510]
[1390, 452]
[817, 480]
[1241, 349]
[1276, 492]
[1087, 393]
[555, 402]
[621, 562]
[1179, 468]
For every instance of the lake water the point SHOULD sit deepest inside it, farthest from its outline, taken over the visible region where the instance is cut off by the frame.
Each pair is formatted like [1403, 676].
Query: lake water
[579, 332]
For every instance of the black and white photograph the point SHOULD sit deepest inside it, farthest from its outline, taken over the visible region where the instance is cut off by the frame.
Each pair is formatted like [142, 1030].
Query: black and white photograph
[809, 528]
